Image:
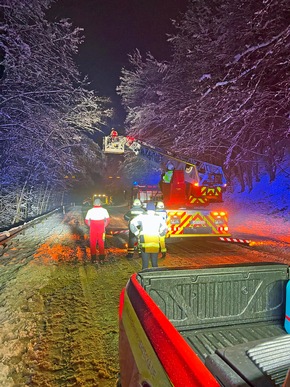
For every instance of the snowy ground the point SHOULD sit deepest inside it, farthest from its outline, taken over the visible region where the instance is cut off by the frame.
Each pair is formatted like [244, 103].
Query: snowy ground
[263, 215]
[263, 212]
[59, 313]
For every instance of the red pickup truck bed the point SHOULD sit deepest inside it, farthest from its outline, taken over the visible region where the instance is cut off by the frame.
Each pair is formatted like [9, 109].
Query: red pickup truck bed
[205, 327]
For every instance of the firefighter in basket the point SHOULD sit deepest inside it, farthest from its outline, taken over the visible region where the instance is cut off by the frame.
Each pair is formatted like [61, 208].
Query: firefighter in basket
[113, 135]
[167, 176]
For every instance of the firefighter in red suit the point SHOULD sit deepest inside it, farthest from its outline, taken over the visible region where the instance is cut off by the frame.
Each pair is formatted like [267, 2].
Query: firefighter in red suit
[114, 134]
[97, 219]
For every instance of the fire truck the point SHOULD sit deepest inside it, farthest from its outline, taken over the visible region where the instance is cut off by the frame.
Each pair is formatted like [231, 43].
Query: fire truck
[191, 190]
[105, 199]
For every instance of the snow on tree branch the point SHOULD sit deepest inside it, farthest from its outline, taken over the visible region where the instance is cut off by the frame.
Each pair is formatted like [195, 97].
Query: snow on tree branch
[224, 95]
[46, 109]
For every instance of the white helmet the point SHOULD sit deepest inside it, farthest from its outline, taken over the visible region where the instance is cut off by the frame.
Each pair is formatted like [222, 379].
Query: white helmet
[137, 203]
[160, 205]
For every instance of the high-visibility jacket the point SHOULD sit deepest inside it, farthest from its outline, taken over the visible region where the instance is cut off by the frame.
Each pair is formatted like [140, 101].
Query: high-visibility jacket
[148, 227]
[162, 212]
[133, 212]
[167, 176]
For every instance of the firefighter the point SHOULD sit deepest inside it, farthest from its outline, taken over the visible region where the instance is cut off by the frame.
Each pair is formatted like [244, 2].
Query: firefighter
[160, 210]
[97, 219]
[166, 180]
[148, 228]
[135, 210]
[167, 176]
[114, 135]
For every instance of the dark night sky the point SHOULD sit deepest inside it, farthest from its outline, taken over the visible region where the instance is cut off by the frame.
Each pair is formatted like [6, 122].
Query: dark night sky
[115, 28]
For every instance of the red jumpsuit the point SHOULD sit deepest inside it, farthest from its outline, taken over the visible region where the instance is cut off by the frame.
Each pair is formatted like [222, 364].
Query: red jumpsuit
[114, 134]
[97, 219]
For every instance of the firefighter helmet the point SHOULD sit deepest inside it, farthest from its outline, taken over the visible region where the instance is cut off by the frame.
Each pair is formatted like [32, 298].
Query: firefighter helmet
[160, 205]
[137, 203]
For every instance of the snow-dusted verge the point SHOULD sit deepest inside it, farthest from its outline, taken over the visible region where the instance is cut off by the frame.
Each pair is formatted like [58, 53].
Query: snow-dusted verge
[265, 211]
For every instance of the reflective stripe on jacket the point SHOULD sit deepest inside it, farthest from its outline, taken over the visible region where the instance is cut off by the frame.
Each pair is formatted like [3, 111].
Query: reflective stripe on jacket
[149, 243]
[149, 227]
[133, 212]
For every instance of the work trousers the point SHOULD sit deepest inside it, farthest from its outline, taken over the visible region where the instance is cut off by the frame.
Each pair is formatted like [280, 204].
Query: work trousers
[131, 242]
[97, 238]
[153, 257]
[162, 244]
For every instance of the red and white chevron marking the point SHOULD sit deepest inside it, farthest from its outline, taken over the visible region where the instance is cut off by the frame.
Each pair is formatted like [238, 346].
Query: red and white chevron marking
[112, 232]
[235, 240]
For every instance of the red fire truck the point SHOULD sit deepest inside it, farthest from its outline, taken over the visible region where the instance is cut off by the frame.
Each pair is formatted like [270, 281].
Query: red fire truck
[191, 190]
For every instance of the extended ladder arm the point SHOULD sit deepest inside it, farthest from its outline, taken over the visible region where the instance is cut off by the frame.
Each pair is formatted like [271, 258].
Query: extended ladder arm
[199, 172]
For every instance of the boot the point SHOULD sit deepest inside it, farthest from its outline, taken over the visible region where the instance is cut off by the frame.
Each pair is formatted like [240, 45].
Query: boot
[129, 255]
[102, 259]
[93, 258]
[163, 255]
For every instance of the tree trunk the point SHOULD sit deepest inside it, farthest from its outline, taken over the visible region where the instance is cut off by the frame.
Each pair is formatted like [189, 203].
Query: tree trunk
[240, 176]
[249, 177]
[43, 202]
[17, 216]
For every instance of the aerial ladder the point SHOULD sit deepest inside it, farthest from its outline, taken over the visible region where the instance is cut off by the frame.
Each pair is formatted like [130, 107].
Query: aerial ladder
[198, 182]
[189, 195]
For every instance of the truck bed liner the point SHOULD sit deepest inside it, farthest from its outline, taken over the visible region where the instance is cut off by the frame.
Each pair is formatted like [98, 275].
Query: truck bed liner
[260, 363]
[272, 357]
[206, 342]
[224, 313]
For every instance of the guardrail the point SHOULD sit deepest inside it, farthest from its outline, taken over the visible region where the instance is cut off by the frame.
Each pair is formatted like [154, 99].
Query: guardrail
[8, 234]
